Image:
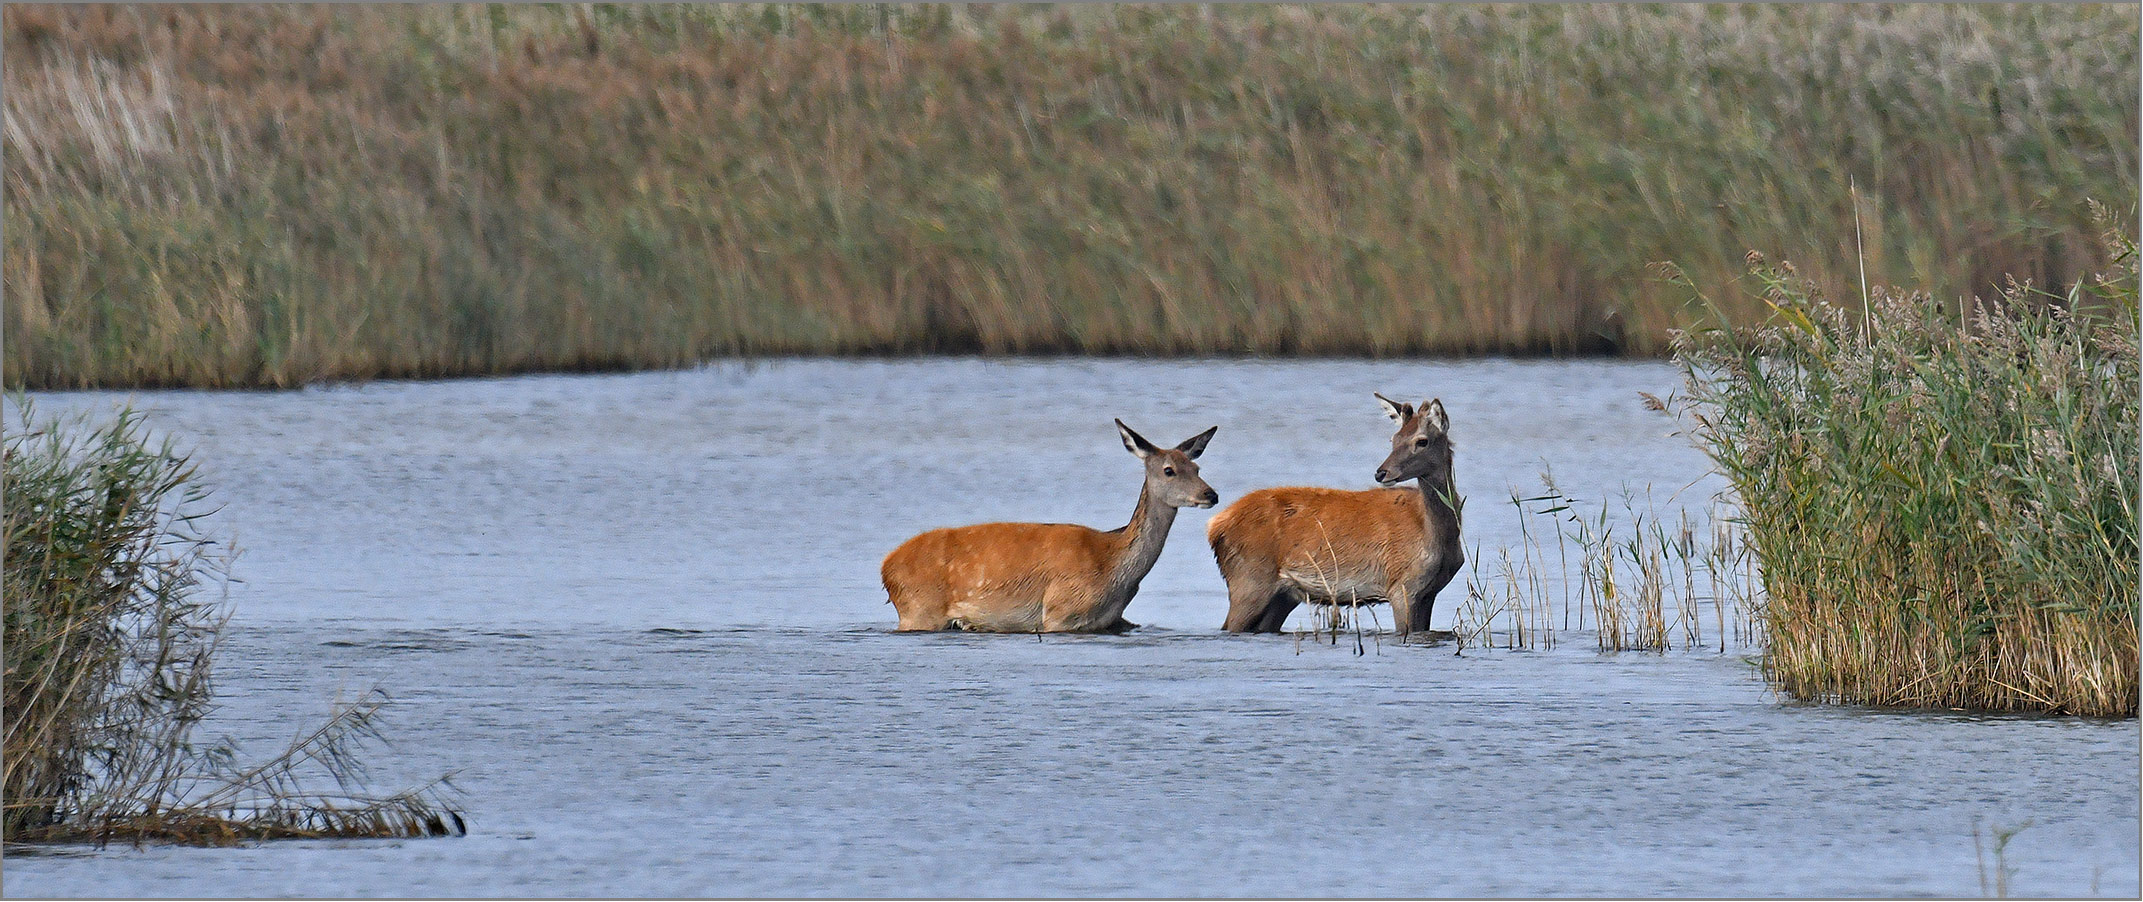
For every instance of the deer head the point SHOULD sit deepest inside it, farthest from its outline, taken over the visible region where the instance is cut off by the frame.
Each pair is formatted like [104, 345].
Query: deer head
[1421, 449]
[1171, 474]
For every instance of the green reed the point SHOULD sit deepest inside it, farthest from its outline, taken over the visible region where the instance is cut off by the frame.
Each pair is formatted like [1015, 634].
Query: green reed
[271, 195]
[1643, 581]
[108, 645]
[1944, 505]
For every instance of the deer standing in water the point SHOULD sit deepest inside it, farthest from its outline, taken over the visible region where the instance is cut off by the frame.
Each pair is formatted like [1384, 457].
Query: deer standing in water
[1280, 547]
[1046, 577]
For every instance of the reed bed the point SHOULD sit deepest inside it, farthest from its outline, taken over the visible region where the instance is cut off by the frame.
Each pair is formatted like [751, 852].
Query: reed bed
[1944, 505]
[1641, 581]
[274, 195]
[108, 644]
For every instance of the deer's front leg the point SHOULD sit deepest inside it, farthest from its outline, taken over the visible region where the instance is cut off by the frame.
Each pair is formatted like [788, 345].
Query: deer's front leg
[1421, 594]
[1067, 609]
[1404, 604]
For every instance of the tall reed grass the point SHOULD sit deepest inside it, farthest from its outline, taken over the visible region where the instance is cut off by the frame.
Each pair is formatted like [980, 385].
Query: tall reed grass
[272, 195]
[1643, 581]
[108, 645]
[1945, 506]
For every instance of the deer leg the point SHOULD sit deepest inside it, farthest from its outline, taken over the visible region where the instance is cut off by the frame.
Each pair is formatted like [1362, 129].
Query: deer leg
[1419, 610]
[920, 613]
[1062, 610]
[1402, 608]
[1438, 578]
[1420, 607]
[1281, 604]
[1247, 601]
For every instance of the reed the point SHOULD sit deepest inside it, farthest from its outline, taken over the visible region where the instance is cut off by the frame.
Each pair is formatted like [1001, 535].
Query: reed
[1999, 838]
[1642, 582]
[274, 195]
[1944, 505]
[108, 645]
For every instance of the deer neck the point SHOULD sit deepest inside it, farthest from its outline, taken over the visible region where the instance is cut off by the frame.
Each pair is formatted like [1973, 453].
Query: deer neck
[1442, 518]
[1142, 539]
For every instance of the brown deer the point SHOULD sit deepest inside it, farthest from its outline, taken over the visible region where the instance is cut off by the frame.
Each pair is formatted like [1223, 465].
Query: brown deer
[1046, 577]
[1280, 547]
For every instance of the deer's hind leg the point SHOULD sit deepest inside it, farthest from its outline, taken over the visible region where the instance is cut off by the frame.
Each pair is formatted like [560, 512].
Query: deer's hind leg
[1249, 600]
[1284, 601]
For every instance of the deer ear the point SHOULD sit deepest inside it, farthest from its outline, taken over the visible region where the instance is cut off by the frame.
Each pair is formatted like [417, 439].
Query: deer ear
[1195, 445]
[1434, 413]
[1396, 410]
[1133, 442]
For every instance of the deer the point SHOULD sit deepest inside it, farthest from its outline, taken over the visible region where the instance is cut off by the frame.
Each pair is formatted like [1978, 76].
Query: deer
[1046, 577]
[1279, 547]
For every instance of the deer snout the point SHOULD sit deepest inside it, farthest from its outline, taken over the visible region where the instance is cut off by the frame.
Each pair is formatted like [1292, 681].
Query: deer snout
[1383, 476]
[1209, 499]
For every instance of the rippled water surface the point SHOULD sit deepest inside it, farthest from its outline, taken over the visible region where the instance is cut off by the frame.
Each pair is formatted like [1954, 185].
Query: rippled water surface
[639, 616]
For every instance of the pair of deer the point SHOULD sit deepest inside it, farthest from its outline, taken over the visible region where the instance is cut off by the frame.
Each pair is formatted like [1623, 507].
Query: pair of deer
[1277, 548]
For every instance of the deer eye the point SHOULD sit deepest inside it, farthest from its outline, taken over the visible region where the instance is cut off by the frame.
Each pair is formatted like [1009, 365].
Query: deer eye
[1168, 471]
[1421, 443]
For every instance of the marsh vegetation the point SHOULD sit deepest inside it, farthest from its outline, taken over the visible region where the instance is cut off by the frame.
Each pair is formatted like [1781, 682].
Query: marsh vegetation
[112, 624]
[276, 195]
[1635, 576]
[1945, 505]
[1927, 509]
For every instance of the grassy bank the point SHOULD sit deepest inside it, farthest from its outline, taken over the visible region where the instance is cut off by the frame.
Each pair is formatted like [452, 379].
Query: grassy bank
[1944, 506]
[275, 195]
[108, 645]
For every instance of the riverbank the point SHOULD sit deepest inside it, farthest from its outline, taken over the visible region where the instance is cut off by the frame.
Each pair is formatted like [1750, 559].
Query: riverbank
[275, 196]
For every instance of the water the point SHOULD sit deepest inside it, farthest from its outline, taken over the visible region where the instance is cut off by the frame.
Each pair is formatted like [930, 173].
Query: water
[639, 616]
